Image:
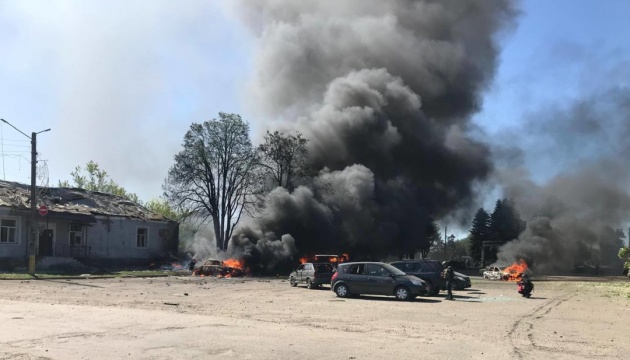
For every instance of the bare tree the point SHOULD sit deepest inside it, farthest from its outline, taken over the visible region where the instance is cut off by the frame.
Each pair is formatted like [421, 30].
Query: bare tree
[284, 158]
[214, 175]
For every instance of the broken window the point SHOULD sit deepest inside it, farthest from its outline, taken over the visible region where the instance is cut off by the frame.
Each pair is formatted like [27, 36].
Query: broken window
[141, 237]
[76, 234]
[8, 233]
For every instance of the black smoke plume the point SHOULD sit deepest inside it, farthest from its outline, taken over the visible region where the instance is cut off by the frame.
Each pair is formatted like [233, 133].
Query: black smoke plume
[384, 91]
[575, 217]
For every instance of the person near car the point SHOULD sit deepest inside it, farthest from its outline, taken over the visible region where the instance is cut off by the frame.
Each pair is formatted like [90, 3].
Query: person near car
[449, 276]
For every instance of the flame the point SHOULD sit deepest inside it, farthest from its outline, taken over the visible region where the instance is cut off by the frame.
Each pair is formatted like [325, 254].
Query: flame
[235, 263]
[303, 260]
[514, 271]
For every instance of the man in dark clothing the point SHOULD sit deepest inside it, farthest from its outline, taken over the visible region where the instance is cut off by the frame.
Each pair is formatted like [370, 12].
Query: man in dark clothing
[449, 276]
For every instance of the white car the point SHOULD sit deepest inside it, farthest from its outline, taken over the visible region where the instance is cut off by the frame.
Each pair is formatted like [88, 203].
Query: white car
[493, 273]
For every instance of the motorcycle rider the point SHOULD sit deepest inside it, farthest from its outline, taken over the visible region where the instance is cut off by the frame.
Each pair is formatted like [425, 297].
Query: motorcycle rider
[525, 286]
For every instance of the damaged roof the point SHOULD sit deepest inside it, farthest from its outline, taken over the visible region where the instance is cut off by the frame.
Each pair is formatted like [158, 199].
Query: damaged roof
[74, 203]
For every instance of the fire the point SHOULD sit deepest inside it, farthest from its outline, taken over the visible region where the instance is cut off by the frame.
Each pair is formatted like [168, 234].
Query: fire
[514, 271]
[303, 260]
[235, 263]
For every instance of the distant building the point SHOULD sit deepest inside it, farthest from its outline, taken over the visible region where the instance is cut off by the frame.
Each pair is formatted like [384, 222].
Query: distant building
[87, 226]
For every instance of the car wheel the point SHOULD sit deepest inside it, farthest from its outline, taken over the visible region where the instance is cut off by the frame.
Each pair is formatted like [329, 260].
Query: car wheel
[342, 290]
[293, 282]
[402, 293]
[309, 284]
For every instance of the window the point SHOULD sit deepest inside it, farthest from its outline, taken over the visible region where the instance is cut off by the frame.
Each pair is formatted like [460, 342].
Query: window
[141, 237]
[376, 270]
[8, 233]
[357, 269]
[76, 234]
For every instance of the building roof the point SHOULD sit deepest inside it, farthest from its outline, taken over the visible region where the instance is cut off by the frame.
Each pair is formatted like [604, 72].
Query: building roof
[73, 203]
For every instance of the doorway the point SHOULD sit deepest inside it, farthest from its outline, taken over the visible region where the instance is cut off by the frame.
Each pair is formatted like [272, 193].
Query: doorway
[46, 240]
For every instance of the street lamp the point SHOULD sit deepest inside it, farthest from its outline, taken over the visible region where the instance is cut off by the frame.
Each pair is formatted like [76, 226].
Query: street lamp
[33, 233]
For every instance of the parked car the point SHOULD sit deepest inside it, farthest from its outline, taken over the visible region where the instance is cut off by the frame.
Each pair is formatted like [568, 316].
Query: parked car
[375, 278]
[428, 270]
[312, 274]
[431, 272]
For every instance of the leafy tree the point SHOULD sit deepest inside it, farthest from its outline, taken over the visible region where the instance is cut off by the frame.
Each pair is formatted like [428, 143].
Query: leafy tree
[214, 176]
[478, 233]
[460, 248]
[611, 240]
[283, 158]
[93, 178]
[624, 255]
[432, 238]
[162, 207]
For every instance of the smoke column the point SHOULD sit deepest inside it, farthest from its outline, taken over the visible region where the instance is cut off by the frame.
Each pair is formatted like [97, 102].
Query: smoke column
[384, 91]
[576, 216]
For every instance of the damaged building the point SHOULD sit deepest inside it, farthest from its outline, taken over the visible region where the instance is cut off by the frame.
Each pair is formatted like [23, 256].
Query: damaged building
[86, 226]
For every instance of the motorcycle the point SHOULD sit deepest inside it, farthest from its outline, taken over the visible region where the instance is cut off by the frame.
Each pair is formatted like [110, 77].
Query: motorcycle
[525, 287]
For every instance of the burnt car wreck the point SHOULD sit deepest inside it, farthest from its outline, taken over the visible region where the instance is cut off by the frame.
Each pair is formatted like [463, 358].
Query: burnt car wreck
[223, 269]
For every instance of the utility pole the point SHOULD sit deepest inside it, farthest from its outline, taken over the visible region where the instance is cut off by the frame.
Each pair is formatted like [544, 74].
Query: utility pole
[32, 234]
[445, 257]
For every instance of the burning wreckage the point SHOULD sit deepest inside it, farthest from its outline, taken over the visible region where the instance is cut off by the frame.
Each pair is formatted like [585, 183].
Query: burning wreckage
[510, 273]
[221, 268]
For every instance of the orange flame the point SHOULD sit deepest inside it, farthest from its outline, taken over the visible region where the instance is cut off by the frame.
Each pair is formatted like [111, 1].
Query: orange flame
[235, 263]
[303, 260]
[514, 271]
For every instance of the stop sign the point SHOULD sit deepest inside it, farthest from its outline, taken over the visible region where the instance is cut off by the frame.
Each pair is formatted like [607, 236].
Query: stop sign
[43, 210]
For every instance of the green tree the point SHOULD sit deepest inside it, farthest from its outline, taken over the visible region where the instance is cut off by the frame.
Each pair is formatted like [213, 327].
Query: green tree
[611, 240]
[478, 233]
[505, 225]
[93, 178]
[624, 255]
[432, 238]
[162, 207]
[284, 158]
[214, 176]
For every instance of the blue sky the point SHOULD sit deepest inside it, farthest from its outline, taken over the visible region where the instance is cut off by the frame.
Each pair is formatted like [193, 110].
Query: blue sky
[120, 82]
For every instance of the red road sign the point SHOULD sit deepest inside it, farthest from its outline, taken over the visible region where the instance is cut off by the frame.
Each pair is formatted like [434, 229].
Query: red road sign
[43, 210]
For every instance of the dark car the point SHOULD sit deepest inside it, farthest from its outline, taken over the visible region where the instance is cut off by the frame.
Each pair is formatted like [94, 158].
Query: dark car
[428, 270]
[431, 272]
[217, 268]
[375, 278]
[312, 274]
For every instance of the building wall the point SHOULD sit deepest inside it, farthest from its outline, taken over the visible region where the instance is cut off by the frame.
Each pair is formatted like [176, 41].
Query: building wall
[111, 239]
[117, 238]
[14, 254]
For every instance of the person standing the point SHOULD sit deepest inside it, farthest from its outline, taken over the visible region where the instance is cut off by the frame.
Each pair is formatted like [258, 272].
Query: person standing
[450, 277]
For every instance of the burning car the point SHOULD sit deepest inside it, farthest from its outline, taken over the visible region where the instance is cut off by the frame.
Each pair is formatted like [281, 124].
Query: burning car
[509, 273]
[227, 268]
[493, 273]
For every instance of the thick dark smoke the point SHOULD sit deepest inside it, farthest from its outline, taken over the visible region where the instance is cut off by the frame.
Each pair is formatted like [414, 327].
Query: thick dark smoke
[573, 218]
[384, 91]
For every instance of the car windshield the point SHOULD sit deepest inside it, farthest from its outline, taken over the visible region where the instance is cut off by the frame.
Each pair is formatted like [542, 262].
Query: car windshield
[393, 270]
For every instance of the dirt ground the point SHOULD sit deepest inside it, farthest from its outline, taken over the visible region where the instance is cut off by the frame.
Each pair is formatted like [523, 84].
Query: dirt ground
[256, 318]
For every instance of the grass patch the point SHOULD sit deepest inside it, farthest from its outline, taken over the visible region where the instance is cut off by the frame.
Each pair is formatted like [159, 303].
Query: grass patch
[610, 289]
